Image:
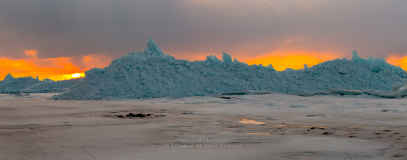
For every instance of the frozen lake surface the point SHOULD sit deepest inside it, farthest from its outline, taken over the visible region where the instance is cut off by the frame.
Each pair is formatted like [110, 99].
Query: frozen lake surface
[273, 126]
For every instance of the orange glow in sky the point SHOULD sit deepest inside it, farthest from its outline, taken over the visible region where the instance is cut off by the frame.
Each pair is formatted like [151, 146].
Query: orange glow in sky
[31, 53]
[281, 60]
[397, 60]
[296, 60]
[59, 68]
[65, 68]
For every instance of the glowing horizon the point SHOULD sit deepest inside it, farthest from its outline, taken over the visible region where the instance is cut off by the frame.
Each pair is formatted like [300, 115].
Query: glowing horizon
[397, 60]
[57, 69]
[282, 60]
[66, 68]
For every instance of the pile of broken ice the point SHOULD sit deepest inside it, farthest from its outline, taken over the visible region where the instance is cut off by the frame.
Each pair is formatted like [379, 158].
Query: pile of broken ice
[11, 85]
[153, 74]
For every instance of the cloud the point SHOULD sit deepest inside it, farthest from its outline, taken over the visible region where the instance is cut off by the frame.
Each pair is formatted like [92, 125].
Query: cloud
[189, 28]
[31, 53]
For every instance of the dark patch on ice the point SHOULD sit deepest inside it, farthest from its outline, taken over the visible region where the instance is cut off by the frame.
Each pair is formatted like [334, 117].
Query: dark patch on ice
[235, 93]
[225, 97]
[398, 156]
[298, 106]
[390, 110]
[327, 133]
[315, 115]
[137, 115]
[188, 113]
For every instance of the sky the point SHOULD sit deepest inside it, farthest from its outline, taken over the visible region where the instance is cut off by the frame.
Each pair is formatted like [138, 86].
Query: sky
[250, 30]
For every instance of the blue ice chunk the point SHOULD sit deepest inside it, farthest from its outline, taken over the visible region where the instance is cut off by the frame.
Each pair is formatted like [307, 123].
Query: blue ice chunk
[8, 77]
[355, 56]
[153, 49]
[227, 59]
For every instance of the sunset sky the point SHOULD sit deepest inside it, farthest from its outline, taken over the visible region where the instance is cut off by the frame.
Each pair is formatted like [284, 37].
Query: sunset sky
[64, 37]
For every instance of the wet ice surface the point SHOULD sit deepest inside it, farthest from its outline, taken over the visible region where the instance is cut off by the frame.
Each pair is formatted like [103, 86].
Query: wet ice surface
[323, 127]
[290, 147]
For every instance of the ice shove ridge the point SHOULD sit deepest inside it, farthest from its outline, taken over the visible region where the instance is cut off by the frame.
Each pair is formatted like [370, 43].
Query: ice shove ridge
[11, 85]
[154, 74]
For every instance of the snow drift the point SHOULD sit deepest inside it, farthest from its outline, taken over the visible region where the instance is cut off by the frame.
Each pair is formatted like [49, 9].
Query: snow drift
[153, 74]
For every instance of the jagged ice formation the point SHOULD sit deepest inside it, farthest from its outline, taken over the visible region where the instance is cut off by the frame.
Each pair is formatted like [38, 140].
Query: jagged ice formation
[153, 74]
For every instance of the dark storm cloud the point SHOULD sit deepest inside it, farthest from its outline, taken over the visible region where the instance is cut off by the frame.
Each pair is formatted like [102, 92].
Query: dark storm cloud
[190, 27]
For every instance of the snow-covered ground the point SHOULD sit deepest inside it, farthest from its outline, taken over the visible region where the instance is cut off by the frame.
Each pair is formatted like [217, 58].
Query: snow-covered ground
[273, 126]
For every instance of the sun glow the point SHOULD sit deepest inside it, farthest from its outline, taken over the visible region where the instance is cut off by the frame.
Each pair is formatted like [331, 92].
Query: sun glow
[282, 60]
[65, 68]
[398, 60]
[69, 76]
[77, 75]
[296, 60]
[59, 68]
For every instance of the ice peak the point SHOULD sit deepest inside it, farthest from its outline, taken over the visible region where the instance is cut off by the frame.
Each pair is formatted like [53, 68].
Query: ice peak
[8, 77]
[226, 58]
[355, 55]
[153, 49]
[212, 59]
